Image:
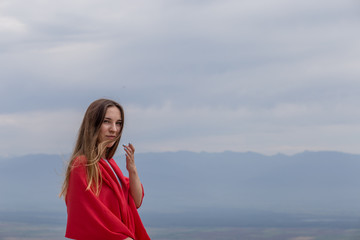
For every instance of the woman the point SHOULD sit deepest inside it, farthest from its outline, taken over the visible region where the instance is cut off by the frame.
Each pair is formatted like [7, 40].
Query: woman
[102, 203]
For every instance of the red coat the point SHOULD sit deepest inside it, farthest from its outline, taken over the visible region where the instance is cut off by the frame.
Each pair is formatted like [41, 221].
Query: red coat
[110, 216]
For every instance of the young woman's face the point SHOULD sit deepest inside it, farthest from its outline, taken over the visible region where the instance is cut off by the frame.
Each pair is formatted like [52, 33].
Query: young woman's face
[110, 128]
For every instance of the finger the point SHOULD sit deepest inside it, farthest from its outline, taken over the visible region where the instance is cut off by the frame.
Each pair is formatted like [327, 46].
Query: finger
[129, 157]
[132, 147]
[128, 153]
[127, 149]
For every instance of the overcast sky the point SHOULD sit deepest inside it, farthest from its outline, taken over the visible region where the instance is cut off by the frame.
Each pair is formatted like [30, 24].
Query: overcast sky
[264, 76]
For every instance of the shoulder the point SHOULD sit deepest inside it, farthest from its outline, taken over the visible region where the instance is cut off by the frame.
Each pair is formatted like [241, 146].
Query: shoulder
[78, 163]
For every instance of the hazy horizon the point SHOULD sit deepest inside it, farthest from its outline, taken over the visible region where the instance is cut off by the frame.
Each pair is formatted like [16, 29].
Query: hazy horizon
[118, 153]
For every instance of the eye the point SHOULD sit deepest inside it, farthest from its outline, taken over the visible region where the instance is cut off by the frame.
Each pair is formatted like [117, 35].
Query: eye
[119, 123]
[106, 121]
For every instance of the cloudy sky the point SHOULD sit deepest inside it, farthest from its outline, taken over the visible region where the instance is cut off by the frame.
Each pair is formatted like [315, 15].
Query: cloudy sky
[264, 76]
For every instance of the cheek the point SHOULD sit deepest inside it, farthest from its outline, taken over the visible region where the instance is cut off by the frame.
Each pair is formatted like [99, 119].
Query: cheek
[102, 132]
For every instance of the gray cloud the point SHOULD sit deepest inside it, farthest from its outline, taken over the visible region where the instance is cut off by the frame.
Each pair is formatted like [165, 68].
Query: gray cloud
[255, 70]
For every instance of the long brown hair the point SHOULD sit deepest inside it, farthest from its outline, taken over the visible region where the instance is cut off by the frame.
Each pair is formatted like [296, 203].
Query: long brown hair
[87, 144]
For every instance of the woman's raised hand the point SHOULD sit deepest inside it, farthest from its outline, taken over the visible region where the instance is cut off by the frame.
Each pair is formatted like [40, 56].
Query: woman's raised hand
[130, 160]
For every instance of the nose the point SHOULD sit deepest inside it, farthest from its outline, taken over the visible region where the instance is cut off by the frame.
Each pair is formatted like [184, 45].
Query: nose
[113, 127]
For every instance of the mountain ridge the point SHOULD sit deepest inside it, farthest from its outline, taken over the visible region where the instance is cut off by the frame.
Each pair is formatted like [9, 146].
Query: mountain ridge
[320, 181]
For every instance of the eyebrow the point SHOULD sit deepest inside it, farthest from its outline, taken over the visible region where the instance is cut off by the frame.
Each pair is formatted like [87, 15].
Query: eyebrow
[107, 118]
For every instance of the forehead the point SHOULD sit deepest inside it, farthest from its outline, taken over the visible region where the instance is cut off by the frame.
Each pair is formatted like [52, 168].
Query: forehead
[113, 113]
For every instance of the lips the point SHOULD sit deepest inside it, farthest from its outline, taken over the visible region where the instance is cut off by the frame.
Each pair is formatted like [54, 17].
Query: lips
[111, 137]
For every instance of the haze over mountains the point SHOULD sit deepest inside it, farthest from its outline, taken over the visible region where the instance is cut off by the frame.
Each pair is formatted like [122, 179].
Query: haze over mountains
[225, 183]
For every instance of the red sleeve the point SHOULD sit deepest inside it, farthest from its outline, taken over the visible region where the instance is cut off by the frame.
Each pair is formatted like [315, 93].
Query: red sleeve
[88, 217]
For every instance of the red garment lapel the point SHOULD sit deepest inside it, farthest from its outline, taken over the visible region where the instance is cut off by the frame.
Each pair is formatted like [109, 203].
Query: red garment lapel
[109, 178]
[121, 176]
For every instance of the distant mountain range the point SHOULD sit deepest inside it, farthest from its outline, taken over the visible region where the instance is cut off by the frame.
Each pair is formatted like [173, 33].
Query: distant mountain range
[186, 182]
